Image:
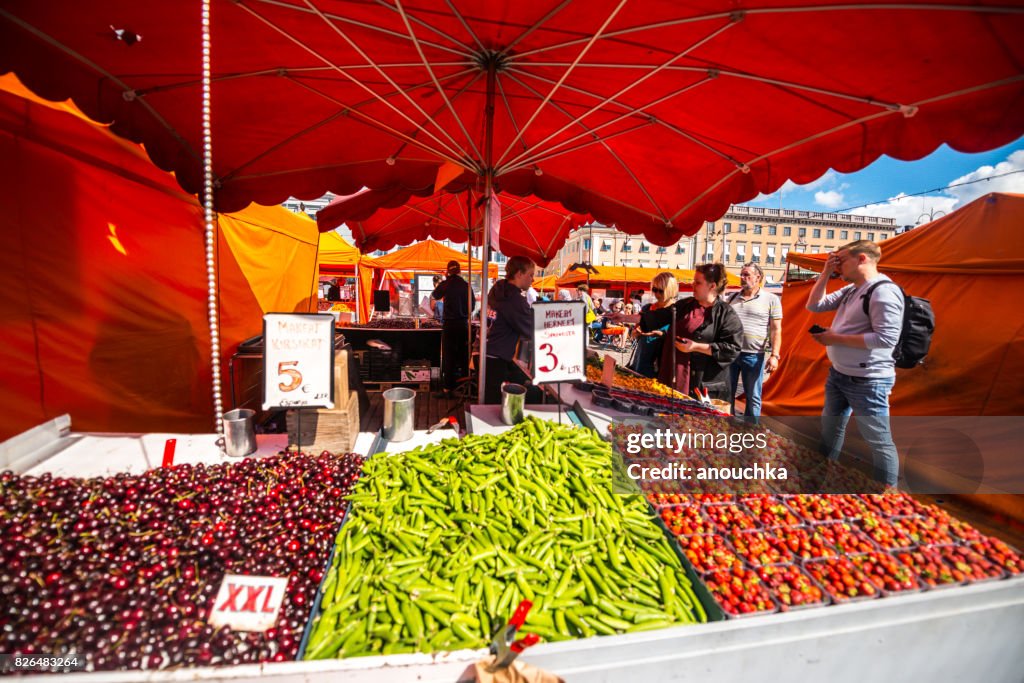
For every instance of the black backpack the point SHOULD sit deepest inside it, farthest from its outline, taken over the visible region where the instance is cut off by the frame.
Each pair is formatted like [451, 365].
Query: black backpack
[918, 327]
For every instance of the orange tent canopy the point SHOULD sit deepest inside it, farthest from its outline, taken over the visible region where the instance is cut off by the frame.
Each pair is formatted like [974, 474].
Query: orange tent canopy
[336, 256]
[969, 264]
[624, 275]
[104, 278]
[546, 283]
[427, 256]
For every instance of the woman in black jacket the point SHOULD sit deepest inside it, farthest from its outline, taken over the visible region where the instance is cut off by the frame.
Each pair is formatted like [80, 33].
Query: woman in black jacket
[707, 336]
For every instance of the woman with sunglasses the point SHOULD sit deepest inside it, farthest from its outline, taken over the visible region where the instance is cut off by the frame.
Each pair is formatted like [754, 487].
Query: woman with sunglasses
[665, 288]
[706, 338]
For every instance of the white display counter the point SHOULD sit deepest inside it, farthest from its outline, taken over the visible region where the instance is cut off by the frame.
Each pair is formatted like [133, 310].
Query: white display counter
[958, 634]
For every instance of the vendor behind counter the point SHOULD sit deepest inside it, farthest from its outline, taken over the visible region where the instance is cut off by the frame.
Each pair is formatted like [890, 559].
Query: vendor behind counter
[513, 322]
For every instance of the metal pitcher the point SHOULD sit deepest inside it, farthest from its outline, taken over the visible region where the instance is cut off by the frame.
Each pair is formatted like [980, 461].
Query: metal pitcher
[239, 432]
[513, 399]
[399, 414]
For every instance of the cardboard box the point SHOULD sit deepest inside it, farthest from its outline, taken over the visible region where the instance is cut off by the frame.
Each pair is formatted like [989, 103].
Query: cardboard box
[416, 374]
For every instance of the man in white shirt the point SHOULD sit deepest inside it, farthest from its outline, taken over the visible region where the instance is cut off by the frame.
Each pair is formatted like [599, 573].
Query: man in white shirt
[760, 311]
[859, 347]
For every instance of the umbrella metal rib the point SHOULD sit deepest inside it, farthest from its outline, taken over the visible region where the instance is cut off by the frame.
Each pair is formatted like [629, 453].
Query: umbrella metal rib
[437, 84]
[449, 151]
[341, 18]
[540, 107]
[629, 86]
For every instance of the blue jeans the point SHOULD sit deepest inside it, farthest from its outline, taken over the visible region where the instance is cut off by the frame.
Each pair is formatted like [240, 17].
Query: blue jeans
[751, 367]
[869, 398]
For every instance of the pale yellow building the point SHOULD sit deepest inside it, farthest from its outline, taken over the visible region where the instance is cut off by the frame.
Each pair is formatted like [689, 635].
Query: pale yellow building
[744, 234]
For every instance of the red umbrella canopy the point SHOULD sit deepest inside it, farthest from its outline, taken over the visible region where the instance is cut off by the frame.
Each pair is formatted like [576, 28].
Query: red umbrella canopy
[654, 116]
[529, 226]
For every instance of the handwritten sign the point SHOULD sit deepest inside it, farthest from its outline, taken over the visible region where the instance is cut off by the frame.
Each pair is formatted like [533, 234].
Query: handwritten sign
[559, 341]
[298, 360]
[248, 603]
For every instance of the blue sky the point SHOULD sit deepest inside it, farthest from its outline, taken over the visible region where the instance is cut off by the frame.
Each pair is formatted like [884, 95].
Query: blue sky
[883, 185]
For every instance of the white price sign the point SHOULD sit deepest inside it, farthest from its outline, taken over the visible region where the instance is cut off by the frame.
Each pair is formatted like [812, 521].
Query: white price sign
[248, 603]
[559, 341]
[298, 360]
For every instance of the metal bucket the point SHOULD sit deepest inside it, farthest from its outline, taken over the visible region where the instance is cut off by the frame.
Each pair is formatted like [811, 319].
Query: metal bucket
[399, 414]
[513, 399]
[239, 432]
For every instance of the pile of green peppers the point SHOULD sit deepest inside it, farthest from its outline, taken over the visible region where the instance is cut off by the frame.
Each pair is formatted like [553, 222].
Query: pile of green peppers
[444, 541]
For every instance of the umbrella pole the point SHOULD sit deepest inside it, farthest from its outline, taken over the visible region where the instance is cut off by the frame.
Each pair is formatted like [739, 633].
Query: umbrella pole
[488, 189]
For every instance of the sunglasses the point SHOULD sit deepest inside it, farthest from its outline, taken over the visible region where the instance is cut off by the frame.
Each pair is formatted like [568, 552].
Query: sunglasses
[657, 290]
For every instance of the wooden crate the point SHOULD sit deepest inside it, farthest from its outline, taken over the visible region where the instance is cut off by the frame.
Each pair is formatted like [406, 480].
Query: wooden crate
[377, 387]
[332, 430]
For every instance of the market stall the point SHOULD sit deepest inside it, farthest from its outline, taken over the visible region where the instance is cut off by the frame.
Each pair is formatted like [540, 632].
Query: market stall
[970, 628]
[408, 274]
[338, 262]
[581, 138]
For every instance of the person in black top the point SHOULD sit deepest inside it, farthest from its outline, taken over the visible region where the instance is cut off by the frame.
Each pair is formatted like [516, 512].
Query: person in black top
[513, 321]
[458, 301]
[334, 291]
[706, 339]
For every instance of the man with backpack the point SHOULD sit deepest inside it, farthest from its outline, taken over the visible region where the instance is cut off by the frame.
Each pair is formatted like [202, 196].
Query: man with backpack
[860, 342]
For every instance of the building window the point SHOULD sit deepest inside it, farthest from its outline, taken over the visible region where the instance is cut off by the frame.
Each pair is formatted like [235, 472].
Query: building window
[787, 231]
[772, 229]
[500, 258]
[856, 235]
[626, 246]
[884, 236]
[844, 234]
[662, 250]
[680, 249]
[756, 257]
[727, 228]
[817, 232]
[830, 234]
[586, 244]
[625, 262]
[741, 252]
[725, 259]
[606, 246]
[802, 232]
[644, 248]
[785, 251]
[757, 229]
[871, 236]
[743, 227]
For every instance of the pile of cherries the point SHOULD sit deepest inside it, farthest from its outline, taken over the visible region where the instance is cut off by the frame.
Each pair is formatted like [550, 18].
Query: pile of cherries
[124, 570]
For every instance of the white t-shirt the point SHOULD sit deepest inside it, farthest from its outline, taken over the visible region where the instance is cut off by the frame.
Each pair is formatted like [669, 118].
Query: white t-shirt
[531, 295]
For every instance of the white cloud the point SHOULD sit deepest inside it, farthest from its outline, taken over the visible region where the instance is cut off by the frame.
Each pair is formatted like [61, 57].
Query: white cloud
[909, 210]
[1007, 183]
[830, 199]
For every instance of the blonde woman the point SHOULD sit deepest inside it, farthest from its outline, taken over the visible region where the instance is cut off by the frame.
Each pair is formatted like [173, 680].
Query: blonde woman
[665, 289]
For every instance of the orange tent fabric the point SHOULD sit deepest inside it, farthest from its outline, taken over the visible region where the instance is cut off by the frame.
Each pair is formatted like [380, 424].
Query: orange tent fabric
[969, 264]
[624, 275]
[336, 255]
[104, 278]
[427, 256]
[546, 283]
